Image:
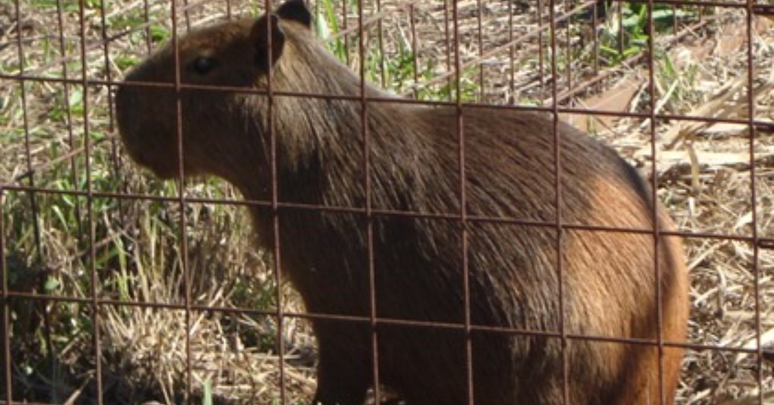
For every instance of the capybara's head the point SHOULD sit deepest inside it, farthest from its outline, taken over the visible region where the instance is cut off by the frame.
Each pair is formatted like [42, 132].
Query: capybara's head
[198, 99]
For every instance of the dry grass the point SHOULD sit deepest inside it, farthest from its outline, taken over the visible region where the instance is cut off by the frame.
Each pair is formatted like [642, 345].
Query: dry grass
[703, 170]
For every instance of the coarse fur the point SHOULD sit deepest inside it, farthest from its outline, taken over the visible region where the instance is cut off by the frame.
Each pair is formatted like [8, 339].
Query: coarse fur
[609, 286]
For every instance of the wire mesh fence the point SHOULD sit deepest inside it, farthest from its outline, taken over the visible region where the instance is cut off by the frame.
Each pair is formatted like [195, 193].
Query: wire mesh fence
[464, 269]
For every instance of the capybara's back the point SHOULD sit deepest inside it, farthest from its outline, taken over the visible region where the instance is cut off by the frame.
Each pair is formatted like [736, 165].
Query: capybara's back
[491, 260]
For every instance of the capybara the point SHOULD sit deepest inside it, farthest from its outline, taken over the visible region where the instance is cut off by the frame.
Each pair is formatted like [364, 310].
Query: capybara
[443, 260]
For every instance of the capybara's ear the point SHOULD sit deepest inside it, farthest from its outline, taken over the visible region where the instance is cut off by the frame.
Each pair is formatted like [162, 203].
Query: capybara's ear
[267, 27]
[295, 10]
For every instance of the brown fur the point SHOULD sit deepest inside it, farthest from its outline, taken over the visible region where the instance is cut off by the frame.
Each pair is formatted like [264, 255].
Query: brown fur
[609, 283]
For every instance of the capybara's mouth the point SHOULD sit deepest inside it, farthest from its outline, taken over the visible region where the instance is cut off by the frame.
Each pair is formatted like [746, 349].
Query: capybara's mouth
[142, 140]
[144, 158]
[163, 169]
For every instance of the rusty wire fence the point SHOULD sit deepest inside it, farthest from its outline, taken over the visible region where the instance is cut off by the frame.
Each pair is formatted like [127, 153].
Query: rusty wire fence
[121, 288]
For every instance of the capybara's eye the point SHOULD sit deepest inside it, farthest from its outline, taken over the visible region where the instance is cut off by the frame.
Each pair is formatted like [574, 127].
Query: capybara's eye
[203, 64]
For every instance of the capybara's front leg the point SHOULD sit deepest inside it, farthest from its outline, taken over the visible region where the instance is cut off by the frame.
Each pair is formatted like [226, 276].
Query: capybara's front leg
[344, 371]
